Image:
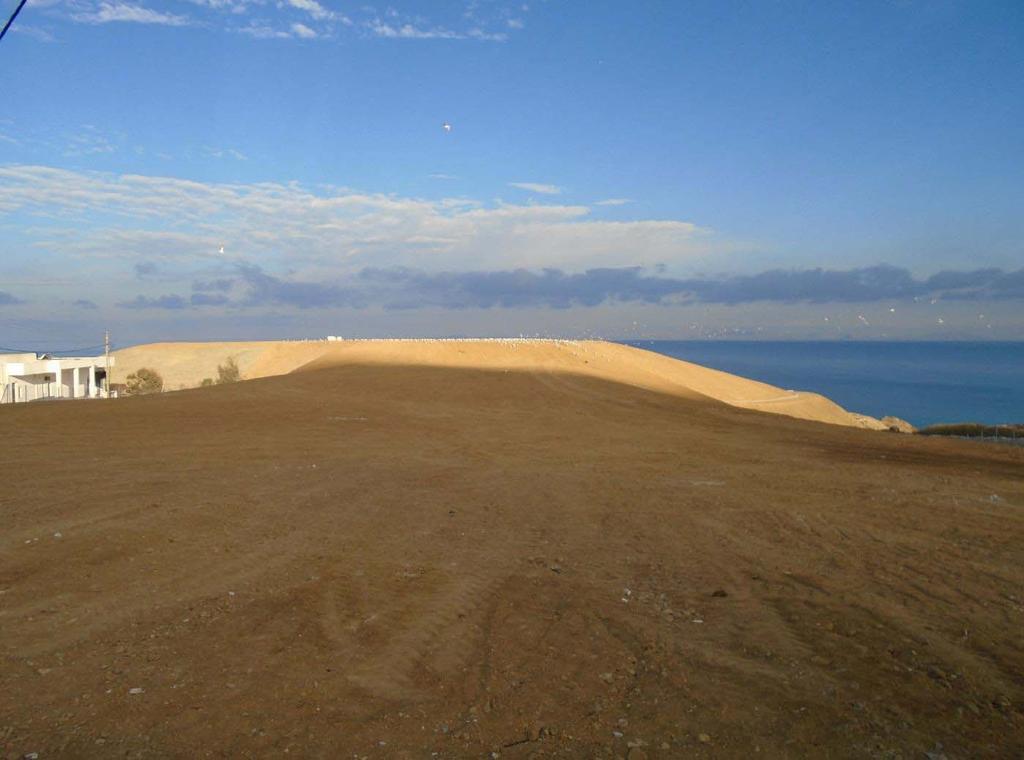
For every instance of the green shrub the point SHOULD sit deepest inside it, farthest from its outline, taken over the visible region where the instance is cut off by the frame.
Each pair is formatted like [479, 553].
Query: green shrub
[143, 381]
[207, 381]
[228, 372]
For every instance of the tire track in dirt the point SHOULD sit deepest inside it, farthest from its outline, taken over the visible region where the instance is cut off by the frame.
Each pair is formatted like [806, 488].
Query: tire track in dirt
[397, 641]
[37, 626]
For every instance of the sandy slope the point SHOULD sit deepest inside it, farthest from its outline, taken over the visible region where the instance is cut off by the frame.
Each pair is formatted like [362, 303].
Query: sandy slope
[388, 561]
[186, 364]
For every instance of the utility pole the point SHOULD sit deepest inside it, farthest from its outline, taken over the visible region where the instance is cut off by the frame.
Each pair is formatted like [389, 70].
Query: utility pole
[106, 358]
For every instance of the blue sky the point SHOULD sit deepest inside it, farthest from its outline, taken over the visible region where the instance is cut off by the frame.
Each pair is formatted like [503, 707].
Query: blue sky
[676, 169]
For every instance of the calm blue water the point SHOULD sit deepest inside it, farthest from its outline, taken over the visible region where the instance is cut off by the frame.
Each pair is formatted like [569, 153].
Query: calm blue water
[924, 383]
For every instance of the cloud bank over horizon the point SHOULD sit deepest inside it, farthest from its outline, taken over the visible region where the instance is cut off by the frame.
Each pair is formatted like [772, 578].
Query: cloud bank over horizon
[249, 286]
[401, 288]
[236, 248]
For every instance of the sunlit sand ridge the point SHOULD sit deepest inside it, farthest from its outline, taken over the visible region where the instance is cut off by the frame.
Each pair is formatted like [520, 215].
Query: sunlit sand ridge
[185, 365]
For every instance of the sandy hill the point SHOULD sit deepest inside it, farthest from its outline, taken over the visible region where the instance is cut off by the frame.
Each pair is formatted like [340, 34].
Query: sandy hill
[185, 365]
[398, 559]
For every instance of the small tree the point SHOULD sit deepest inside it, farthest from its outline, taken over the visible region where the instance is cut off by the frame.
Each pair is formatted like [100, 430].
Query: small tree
[207, 381]
[228, 372]
[143, 381]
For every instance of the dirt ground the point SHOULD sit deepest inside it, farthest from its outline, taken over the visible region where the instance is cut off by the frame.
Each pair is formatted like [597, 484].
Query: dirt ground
[430, 562]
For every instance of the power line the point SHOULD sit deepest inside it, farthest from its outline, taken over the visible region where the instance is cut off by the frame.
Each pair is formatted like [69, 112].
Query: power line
[42, 341]
[11, 19]
[51, 351]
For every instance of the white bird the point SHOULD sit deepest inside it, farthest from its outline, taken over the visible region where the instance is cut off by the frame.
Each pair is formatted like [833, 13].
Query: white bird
[222, 249]
[446, 127]
[863, 319]
[941, 321]
[892, 310]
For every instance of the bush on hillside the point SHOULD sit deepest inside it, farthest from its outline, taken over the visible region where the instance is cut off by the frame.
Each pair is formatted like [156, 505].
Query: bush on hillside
[228, 372]
[143, 381]
[207, 381]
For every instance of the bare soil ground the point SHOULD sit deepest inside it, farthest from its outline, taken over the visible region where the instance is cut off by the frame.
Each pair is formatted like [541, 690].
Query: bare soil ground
[390, 561]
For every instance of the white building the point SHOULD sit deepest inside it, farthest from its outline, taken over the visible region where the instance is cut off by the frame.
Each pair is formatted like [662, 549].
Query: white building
[28, 377]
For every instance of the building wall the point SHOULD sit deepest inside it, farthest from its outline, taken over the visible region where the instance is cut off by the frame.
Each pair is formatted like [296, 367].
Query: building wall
[26, 377]
[28, 388]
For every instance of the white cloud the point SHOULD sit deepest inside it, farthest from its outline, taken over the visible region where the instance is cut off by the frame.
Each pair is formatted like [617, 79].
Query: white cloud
[88, 142]
[614, 202]
[278, 19]
[417, 29]
[108, 12]
[231, 6]
[410, 32]
[263, 32]
[35, 32]
[536, 187]
[314, 9]
[515, 23]
[480, 34]
[329, 232]
[226, 153]
[436, 175]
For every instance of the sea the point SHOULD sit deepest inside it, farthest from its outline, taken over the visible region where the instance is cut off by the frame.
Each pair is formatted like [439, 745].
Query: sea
[925, 383]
